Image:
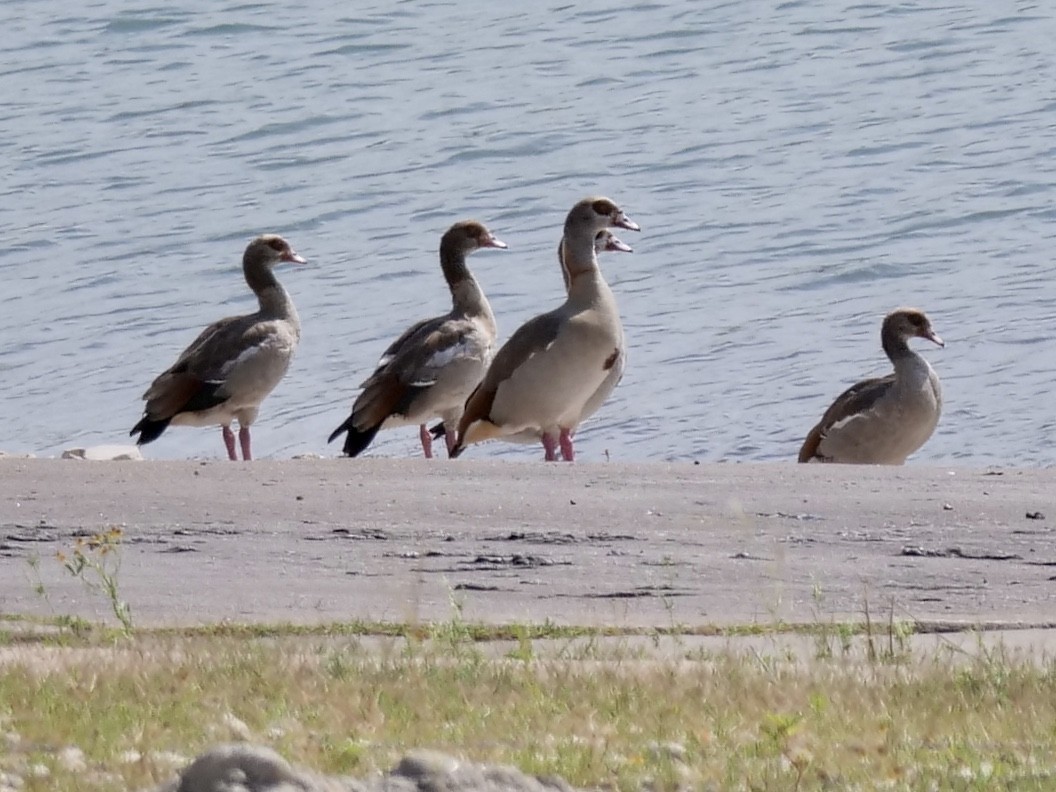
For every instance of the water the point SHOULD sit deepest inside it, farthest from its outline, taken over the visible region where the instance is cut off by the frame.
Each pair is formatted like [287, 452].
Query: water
[798, 170]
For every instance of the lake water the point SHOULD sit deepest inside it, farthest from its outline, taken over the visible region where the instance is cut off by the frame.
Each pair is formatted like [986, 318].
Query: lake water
[798, 170]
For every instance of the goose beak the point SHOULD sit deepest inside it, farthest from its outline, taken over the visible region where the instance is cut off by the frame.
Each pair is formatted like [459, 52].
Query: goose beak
[494, 242]
[618, 244]
[623, 221]
[932, 337]
[294, 258]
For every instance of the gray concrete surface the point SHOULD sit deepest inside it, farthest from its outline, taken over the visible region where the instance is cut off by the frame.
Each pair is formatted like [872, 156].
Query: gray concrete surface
[312, 541]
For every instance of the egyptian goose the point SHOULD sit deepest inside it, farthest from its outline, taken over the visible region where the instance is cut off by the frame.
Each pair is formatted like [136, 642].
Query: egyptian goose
[604, 241]
[234, 363]
[882, 421]
[544, 376]
[430, 369]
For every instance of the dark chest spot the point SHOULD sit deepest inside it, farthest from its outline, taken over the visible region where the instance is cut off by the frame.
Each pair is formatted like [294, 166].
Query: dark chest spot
[610, 361]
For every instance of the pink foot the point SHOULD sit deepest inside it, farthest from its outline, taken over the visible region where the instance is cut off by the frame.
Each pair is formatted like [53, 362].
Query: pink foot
[229, 441]
[427, 441]
[243, 439]
[550, 447]
[449, 439]
[567, 451]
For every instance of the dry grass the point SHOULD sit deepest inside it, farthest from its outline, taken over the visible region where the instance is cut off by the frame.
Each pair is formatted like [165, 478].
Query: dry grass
[604, 712]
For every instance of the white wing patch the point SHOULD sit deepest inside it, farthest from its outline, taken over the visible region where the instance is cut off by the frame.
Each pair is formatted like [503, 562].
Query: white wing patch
[447, 355]
[243, 357]
[844, 422]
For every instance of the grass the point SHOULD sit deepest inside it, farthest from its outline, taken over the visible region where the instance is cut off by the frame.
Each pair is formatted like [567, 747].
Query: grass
[620, 713]
[96, 562]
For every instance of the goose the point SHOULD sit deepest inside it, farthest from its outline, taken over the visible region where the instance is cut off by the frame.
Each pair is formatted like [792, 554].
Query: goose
[544, 376]
[604, 241]
[882, 421]
[430, 370]
[234, 363]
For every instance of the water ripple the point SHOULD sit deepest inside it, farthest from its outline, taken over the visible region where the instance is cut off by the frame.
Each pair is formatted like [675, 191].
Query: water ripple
[797, 173]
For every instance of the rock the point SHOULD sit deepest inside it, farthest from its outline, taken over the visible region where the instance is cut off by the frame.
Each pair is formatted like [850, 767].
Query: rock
[668, 750]
[38, 770]
[254, 768]
[433, 770]
[247, 768]
[104, 453]
[72, 758]
[9, 782]
[237, 727]
[424, 765]
[167, 758]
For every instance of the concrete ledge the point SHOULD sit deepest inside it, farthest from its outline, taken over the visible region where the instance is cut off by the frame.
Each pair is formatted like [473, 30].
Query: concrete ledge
[314, 541]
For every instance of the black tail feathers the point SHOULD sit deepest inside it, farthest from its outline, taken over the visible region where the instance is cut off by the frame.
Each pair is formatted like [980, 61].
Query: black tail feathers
[149, 430]
[357, 439]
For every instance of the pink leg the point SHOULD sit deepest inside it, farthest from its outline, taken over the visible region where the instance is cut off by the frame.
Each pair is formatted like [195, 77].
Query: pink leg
[229, 441]
[550, 447]
[566, 446]
[449, 439]
[243, 439]
[427, 441]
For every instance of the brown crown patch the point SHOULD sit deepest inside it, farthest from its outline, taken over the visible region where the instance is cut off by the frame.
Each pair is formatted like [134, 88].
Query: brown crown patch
[605, 207]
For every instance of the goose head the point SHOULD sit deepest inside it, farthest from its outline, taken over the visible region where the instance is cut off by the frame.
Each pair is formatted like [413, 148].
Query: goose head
[468, 236]
[906, 323]
[269, 250]
[592, 215]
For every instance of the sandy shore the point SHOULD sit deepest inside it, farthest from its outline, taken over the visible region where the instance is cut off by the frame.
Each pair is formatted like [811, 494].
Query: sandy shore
[312, 541]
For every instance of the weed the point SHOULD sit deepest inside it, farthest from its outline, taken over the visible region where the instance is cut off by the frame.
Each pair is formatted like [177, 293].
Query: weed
[36, 581]
[96, 562]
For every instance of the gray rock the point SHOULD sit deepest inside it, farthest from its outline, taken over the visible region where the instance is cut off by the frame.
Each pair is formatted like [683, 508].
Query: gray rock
[247, 768]
[422, 765]
[9, 782]
[252, 768]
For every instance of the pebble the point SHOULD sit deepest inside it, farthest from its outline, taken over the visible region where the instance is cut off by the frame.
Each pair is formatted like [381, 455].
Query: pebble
[38, 770]
[72, 758]
[236, 727]
[668, 750]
